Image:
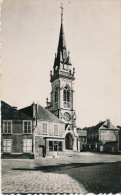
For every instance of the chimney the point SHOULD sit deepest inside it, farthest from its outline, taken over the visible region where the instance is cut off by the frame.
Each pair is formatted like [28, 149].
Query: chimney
[15, 111]
[35, 112]
[108, 123]
[46, 102]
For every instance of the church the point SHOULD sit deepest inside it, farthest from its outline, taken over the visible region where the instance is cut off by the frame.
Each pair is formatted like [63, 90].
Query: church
[62, 81]
[34, 131]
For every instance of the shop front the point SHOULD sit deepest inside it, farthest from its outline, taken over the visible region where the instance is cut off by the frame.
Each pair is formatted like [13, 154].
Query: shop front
[54, 146]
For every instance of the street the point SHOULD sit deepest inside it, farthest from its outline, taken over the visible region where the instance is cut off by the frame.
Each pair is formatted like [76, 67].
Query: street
[87, 172]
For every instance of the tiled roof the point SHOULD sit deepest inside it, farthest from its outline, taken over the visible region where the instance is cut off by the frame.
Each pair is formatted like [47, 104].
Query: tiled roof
[42, 114]
[96, 127]
[9, 112]
[103, 125]
[46, 115]
[99, 125]
[28, 110]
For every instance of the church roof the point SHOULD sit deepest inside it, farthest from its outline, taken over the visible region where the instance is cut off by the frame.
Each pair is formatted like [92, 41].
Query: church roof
[10, 113]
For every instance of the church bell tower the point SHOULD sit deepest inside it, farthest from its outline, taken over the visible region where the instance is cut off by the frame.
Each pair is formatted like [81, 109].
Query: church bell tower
[62, 83]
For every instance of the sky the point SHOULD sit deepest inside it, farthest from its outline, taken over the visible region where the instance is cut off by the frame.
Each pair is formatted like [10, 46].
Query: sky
[30, 34]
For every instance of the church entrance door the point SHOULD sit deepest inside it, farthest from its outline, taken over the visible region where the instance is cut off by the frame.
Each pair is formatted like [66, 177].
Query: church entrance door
[69, 141]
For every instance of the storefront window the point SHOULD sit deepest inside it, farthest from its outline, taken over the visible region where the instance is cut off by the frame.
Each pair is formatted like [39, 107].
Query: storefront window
[55, 146]
[50, 145]
[59, 146]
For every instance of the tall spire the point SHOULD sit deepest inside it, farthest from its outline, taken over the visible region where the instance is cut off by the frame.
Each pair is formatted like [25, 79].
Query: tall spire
[61, 43]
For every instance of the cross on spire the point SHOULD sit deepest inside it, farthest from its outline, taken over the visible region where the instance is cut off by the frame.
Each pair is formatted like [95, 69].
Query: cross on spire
[62, 55]
[62, 12]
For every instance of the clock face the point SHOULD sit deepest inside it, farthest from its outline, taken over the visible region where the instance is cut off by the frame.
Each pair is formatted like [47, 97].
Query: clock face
[67, 116]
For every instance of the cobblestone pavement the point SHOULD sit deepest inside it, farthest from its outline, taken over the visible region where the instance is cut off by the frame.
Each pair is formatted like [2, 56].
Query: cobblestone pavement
[89, 172]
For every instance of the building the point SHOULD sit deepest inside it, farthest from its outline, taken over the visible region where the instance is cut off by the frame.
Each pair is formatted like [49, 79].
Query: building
[49, 134]
[31, 132]
[82, 133]
[16, 133]
[62, 82]
[104, 137]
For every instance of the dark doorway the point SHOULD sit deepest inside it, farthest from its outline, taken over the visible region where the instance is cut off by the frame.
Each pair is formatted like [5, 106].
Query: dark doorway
[69, 142]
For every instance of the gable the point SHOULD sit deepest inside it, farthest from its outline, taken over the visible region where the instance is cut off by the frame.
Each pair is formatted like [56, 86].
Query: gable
[105, 126]
[27, 110]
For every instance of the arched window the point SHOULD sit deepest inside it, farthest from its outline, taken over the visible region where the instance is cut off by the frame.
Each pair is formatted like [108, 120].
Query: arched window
[66, 94]
[56, 94]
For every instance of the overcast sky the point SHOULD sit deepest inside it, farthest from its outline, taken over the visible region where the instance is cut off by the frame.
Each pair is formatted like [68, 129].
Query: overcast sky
[30, 33]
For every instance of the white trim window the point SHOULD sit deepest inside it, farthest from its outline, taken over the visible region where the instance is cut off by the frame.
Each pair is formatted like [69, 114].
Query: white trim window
[7, 127]
[56, 129]
[27, 145]
[7, 145]
[27, 127]
[45, 128]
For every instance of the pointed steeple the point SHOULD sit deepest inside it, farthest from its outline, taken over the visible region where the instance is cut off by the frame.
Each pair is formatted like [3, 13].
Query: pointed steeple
[61, 43]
